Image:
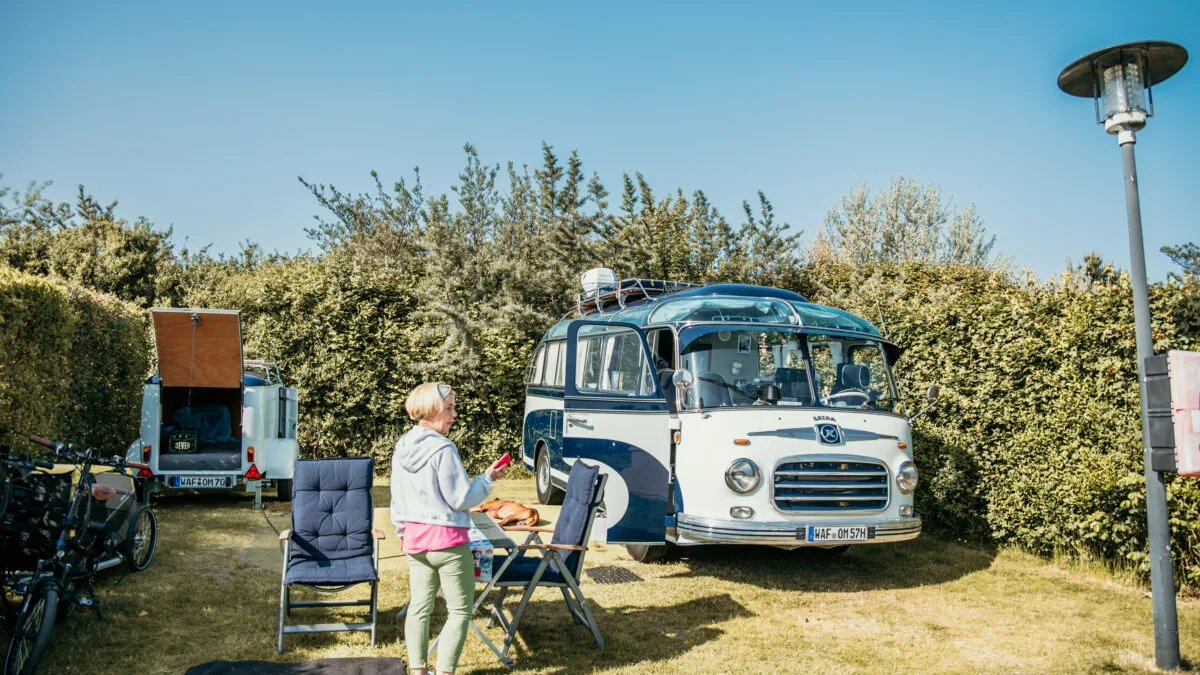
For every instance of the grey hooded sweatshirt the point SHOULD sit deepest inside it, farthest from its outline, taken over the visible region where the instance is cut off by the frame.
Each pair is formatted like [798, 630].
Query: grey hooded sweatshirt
[429, 483]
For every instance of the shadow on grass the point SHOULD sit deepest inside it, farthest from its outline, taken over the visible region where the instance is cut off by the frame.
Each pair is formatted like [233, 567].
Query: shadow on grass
[549, 642]
[923, 561]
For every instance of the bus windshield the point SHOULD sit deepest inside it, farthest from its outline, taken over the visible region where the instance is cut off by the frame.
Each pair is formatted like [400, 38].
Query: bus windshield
[737, 366]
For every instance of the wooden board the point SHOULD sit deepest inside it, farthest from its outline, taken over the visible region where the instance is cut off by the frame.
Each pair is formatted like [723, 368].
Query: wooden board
[217, 336]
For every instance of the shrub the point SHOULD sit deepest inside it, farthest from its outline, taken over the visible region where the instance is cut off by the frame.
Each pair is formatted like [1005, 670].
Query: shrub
[72, 362]
[1037, 440]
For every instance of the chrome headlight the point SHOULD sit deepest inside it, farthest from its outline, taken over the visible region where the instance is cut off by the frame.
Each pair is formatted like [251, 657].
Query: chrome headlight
[906, 477]
[742, 476]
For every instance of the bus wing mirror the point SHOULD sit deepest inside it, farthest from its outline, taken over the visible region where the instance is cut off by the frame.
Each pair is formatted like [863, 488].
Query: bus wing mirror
[683, 378]
[931, 396]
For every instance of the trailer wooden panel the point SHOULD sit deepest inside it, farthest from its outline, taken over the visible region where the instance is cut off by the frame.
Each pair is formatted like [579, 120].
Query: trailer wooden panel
[198, 347]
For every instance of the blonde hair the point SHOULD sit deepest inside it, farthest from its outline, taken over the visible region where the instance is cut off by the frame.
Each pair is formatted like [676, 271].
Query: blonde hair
[426, 400]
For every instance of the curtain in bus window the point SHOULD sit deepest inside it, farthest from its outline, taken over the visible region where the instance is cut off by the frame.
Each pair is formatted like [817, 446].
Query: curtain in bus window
[589, 354]
[552, 376]
[627, 372]
[560, 367]
[534, 376]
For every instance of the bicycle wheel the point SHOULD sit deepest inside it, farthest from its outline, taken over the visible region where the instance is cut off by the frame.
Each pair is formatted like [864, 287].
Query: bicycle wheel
[32, 632]
[139, 547]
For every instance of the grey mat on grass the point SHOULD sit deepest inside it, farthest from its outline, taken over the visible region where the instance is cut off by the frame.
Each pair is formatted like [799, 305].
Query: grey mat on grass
[354, 666]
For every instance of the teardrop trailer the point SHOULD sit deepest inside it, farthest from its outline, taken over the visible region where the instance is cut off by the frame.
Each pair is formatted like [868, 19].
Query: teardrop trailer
[722, 414]
[209, 418]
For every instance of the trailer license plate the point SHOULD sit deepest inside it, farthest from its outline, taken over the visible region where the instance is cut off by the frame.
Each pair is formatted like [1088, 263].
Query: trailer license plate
[201, 481]
[843, 533]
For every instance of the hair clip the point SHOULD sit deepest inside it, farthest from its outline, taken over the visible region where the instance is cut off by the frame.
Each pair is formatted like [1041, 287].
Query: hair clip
[444, 390]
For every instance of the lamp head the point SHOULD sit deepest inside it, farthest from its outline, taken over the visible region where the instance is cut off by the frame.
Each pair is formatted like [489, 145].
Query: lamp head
[1119, 80]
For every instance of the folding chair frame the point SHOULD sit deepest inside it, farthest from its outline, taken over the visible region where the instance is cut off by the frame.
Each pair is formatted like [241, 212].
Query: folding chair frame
[581, 613]
[286, 605]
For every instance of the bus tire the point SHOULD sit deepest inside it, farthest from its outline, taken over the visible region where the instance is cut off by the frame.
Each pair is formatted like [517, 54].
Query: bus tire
[546, 492]
[647, 553]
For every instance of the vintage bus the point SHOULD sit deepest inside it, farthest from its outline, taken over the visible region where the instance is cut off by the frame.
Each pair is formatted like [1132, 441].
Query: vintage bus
[723, 414]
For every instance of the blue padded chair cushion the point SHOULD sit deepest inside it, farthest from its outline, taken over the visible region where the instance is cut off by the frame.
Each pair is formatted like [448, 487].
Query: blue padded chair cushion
[576, 509]
[522, 569]
[331, 572]
[331, 511]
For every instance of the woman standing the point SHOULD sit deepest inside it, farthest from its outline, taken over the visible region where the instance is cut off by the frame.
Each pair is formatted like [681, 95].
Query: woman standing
[431, 498]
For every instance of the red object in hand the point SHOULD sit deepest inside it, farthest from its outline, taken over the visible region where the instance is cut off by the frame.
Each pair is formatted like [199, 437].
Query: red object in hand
[504, 461]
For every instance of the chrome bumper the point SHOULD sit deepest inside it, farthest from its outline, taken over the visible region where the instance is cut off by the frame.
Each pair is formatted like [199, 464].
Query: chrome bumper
[693, 530]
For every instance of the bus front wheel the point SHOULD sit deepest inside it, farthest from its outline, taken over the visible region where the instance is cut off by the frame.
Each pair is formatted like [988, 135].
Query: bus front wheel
[646, 553]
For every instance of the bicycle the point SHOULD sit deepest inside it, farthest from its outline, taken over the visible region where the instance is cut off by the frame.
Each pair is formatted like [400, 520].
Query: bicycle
[102, 527]
[17, 525]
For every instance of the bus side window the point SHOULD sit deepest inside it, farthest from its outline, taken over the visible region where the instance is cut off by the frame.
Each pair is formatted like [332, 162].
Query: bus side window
[588, 370]
[560, 370]
[552, 376]
[533, 374]
[627, 367]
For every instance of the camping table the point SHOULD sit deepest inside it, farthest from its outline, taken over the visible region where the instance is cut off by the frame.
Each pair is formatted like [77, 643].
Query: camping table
[499, 540]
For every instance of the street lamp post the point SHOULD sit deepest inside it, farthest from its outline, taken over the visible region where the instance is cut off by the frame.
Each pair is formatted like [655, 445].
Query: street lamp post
[1119, 80]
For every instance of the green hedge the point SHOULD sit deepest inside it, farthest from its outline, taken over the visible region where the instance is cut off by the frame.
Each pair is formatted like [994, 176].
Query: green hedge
[1037, 439]
[72, 362]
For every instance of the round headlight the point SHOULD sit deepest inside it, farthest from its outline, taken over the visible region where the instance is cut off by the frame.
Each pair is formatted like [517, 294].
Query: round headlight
[906, 477]
[742, 476]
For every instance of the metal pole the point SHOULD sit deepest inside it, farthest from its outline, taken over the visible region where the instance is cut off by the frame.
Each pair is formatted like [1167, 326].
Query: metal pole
[1162, 573]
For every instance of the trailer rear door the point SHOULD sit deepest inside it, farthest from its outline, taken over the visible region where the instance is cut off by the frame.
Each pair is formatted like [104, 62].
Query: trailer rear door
[198, 347]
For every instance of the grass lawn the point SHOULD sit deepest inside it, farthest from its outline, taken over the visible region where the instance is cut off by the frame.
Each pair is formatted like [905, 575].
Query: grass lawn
[927, 605]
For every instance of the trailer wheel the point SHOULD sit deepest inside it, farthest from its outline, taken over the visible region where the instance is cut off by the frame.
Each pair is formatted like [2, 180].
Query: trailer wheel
[283, 490]
[647, 553]
[143, 539]
[546, 492]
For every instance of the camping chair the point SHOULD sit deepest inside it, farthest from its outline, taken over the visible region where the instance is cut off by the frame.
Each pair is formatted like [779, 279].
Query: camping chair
[560, 563]
[331, 545]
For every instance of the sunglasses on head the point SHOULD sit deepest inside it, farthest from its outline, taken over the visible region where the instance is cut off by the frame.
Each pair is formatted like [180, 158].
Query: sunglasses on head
[444, 390]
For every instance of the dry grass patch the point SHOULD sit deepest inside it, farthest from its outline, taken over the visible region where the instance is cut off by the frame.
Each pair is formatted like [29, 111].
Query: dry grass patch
[923, 606]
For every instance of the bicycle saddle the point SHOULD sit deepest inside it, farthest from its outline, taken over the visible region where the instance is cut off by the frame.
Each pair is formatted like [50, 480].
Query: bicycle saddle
[102, 493]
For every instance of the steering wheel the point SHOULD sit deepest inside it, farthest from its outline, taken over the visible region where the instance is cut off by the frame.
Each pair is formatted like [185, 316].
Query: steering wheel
[849, 395]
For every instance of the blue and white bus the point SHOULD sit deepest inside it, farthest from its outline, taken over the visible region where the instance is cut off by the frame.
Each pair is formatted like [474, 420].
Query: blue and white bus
[723, 414]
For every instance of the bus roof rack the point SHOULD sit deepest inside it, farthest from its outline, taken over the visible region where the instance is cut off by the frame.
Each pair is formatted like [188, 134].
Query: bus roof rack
[626, 291]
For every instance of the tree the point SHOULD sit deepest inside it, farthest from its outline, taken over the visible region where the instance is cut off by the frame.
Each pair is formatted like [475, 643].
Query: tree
[1186, 256]
[906, 222]
[84, 242]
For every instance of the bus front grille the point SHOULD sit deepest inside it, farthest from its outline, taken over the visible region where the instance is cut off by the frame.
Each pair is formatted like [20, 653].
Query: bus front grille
[831, 486]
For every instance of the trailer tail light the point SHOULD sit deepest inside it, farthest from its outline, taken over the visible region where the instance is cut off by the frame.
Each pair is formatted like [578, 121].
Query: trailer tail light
[253, 473]
[250, 455]
[146, 472]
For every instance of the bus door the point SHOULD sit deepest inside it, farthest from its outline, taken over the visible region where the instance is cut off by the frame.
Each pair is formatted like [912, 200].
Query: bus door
[615, 416]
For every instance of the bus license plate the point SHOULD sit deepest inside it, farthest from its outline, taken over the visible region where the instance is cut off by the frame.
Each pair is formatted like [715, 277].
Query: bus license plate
[201, 481]
[843, 533]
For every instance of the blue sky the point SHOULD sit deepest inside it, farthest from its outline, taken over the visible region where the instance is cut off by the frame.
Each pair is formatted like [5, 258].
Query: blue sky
[202, 116]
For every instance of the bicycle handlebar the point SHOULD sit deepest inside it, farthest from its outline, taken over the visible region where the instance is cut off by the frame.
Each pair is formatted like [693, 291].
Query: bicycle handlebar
[57, 447]
[93, 454]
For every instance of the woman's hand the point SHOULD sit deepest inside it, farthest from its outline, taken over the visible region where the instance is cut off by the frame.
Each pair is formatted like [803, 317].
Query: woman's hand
[496, 470]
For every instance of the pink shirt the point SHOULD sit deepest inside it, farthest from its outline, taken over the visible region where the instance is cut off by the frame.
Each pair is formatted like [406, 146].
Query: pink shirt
[421, 537]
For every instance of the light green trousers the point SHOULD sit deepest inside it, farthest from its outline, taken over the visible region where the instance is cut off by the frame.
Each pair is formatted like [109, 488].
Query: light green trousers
[453, 570]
